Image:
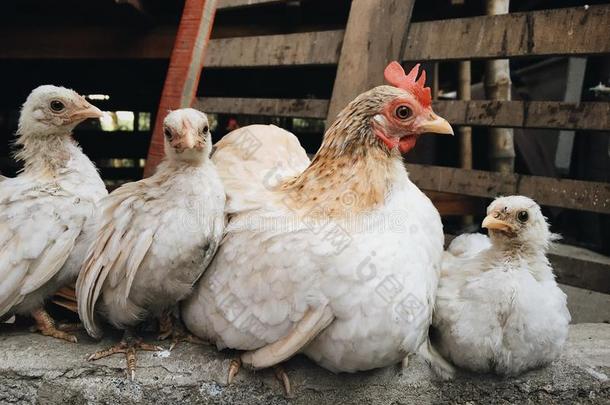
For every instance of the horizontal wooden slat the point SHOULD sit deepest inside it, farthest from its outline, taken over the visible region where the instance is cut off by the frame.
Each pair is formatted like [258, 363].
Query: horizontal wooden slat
[449, 204]
[302, 108]
[564, 193]
[228, 4]
[309, 48]
[86, 42]
[569, 31]
[573, 31]
[528, 114]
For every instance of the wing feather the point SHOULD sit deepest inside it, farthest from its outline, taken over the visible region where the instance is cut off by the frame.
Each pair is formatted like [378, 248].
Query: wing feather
[39, 225]
[117, 252]
[138, 252]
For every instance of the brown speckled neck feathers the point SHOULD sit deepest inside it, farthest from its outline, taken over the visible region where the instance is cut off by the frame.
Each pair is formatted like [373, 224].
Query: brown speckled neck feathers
[350, 173]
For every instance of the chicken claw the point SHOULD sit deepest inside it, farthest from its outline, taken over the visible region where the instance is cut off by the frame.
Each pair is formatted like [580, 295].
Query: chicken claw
[129, 346]
[234, 367]
[46, 325]
[281, 375]
[170, 326]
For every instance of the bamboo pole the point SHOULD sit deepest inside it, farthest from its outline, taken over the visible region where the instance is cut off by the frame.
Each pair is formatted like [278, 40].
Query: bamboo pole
[498, 87]
[463, 93]
[465, 138]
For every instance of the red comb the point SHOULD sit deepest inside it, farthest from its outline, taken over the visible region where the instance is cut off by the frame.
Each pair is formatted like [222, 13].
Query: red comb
[395, 75]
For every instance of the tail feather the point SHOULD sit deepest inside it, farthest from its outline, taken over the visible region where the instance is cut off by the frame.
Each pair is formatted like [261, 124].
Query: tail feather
[252, 160]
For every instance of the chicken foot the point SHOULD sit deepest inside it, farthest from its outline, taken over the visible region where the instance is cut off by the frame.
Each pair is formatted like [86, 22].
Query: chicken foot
[279, 371]
[46, 326]
[129, 345]
[170, 325]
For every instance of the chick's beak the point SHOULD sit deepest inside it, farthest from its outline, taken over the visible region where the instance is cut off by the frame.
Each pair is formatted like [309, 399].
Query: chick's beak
[190, 140]
[436, 125]
[87, 111]
[491, 222]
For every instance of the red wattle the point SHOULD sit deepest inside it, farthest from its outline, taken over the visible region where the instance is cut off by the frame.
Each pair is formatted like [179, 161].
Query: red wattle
[391, 143]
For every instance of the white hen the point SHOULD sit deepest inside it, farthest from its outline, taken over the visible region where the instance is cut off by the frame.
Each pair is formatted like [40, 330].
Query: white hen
[498, 307]
[44, 209]
[337, 258]
[155, 238]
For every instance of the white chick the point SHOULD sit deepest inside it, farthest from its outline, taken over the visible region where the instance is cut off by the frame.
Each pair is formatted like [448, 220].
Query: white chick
[498, 307]
[155, 238]
[43, 211]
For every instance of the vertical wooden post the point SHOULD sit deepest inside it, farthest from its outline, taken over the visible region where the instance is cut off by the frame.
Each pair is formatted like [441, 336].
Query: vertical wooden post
[465, 132]
[184, 70]
[375, 35]
[498, 87]
[463, 93]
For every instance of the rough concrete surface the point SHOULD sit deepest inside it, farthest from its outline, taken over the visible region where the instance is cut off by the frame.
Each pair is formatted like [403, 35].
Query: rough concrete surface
[37, 369]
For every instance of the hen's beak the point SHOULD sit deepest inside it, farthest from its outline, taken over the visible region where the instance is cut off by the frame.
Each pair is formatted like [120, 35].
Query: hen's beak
[89, 111]
[436, 125]
[491, 222]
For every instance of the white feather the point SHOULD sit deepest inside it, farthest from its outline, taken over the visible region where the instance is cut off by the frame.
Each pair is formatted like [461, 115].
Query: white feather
[498, 307]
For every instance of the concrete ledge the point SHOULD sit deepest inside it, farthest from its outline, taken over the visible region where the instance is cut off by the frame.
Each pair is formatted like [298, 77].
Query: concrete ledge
[36, 369]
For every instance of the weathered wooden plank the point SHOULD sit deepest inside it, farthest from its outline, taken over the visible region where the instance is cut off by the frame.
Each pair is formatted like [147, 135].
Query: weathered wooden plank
[186, 62]
[374, 36]
[569, 31]
[310, 48]
[228, 4]
[301, 108]
[86, 42]
[532, 114]
[574, 31]
[449, 204]
[564, 193]
[528, 114]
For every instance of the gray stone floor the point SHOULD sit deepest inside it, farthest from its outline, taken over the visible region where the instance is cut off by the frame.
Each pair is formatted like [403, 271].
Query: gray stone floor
[37, 369]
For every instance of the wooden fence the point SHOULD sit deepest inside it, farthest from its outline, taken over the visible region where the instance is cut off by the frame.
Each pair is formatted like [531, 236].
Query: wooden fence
[379, 31]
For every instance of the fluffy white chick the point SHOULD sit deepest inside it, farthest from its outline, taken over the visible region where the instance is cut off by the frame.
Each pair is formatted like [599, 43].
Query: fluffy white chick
[155, 238]
[498, 307]
[44, 209]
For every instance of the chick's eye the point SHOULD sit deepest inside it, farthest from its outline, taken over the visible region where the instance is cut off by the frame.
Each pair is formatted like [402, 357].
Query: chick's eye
[167, 134]
[523, 216]
[57, 105]
[205, 129]
[403, 112]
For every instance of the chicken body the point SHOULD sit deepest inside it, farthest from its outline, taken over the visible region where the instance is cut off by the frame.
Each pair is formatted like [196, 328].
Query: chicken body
[156, 236]
[498, 307]
[44, 210]
[275, 265]
[337, 258]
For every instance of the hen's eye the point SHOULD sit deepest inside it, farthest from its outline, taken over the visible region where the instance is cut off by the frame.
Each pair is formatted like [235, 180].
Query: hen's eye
[167, 134]
[403, 112]
[57, 105]
[523, 216]
[205, 129]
